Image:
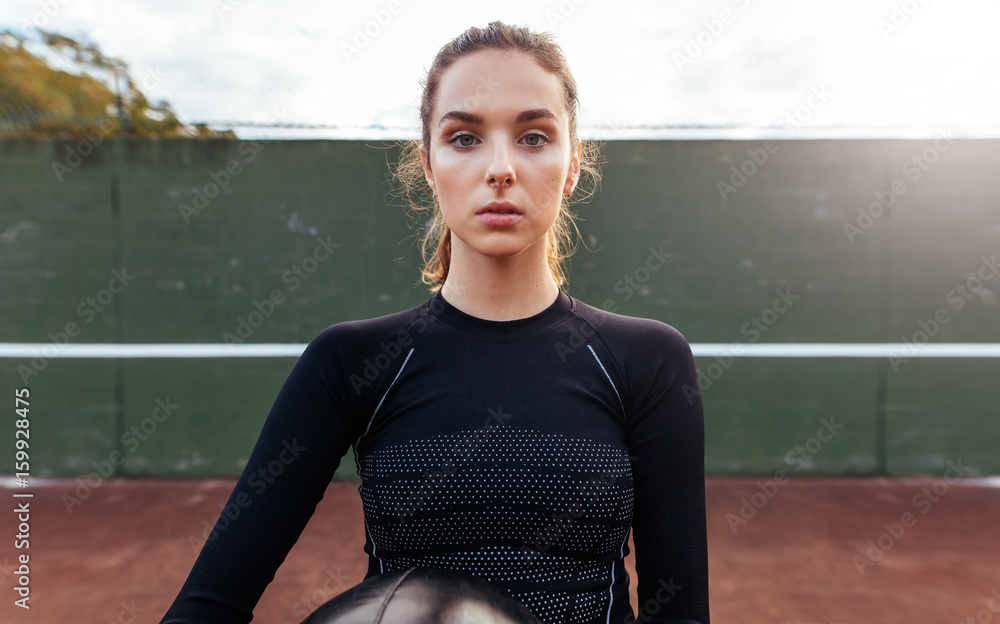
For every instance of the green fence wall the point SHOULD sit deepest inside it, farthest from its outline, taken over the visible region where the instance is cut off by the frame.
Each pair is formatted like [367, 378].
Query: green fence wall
[742, 222]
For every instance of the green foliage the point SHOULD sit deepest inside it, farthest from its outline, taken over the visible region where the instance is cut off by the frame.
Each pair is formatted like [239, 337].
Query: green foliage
[38, 100]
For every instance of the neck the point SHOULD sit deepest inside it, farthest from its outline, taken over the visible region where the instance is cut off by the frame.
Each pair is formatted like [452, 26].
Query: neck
[499, 289]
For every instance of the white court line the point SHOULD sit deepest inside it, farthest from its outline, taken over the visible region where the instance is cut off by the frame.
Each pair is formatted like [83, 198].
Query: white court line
[50, 350]
[838, 349]
[161, 350]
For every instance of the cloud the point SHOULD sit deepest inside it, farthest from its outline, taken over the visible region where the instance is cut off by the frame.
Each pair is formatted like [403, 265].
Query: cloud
[243, 60]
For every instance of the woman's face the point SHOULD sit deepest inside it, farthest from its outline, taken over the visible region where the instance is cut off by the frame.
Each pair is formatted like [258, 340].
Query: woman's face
[499, 134]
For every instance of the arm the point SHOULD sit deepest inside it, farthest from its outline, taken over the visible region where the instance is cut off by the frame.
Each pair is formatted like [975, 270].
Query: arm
[306, 433]
[667, 441]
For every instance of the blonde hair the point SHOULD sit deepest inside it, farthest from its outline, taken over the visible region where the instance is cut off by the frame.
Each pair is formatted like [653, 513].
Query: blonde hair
[435, 237]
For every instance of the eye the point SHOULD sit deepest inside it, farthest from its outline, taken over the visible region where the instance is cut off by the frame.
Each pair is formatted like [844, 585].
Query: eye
[462, 141]
[535, 139]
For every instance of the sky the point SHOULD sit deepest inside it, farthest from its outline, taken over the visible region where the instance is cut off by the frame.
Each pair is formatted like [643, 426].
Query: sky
[645, 69]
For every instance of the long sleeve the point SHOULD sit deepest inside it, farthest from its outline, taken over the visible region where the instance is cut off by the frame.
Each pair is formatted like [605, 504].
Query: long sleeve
[480, 444]
[301, 443]
[667, 443]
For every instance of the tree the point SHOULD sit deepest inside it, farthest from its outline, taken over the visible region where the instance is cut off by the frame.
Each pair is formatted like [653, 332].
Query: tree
[40, 100]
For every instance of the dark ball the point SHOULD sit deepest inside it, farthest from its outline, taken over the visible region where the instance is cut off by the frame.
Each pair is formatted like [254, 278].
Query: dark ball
[423, 596]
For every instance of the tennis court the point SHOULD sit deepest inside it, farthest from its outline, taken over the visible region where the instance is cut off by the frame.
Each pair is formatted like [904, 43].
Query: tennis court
[808, 343]
[124, 552]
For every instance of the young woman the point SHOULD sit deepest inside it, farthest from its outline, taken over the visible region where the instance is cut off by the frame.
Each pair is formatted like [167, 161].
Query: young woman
[506, 430]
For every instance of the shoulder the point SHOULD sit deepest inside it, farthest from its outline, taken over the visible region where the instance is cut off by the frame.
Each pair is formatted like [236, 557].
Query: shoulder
[649, 357]
[351, 355]
[630, 335]
[349, 336]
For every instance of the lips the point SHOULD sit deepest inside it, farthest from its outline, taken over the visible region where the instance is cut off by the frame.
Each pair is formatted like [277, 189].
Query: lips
[499, 214]
[499, 208]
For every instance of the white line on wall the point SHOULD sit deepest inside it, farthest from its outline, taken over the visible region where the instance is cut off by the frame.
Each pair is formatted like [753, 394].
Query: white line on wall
[50, 350]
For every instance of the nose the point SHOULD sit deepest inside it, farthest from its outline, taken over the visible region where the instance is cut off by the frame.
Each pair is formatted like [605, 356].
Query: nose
[500, 173]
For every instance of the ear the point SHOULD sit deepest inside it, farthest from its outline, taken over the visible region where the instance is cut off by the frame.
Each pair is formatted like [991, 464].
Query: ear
[573, 175]
[425, 160]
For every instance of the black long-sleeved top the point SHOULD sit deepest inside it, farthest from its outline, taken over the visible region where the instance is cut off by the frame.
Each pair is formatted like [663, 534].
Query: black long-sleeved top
[521, 451]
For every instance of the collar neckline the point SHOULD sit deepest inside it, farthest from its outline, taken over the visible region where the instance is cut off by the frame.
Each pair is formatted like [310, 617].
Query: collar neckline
[500, 331]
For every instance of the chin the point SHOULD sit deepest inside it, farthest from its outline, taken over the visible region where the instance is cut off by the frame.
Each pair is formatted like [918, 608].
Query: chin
[507, 246]
[501, 251]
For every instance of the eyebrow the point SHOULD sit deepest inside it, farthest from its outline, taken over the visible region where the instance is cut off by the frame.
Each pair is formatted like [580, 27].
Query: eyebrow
[522, 117]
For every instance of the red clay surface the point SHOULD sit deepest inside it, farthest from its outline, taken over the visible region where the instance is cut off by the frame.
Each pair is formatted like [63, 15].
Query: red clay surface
[122, 555]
